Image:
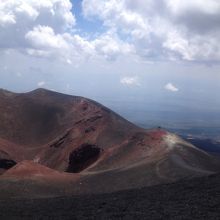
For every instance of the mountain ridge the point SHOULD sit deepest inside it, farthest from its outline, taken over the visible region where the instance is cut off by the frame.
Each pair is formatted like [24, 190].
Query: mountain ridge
[77, 136]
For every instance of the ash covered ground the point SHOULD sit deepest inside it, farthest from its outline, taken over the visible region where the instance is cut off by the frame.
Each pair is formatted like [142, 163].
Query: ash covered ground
[197, 198]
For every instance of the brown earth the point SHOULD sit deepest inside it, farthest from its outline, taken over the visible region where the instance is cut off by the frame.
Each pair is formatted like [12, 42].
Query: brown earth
[54, 144]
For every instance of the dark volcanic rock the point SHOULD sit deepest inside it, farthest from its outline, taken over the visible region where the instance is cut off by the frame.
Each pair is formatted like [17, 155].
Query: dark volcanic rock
[83, 157]
[198, 198]
[6, 164]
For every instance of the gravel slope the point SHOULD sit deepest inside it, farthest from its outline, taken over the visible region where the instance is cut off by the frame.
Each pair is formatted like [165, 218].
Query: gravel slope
[198, 198]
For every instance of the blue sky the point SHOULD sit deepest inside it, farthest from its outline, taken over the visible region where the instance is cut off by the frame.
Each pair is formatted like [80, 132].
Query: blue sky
[90, 26]
[141, 55]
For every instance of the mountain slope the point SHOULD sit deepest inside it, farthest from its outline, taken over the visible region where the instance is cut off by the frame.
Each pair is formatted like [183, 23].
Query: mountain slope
[196, 198]
[77, 135]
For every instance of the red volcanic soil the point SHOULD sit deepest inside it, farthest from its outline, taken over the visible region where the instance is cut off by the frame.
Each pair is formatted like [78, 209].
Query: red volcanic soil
[53, 137]
[30, 169]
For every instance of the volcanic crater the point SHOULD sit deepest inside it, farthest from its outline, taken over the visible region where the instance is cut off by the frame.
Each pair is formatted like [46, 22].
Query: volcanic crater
[66, 144]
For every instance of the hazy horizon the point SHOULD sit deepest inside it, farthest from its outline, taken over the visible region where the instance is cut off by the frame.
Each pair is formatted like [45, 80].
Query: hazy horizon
[153, 62]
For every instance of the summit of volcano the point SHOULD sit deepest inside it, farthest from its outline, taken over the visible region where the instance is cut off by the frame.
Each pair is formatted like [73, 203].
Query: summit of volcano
[78, 146]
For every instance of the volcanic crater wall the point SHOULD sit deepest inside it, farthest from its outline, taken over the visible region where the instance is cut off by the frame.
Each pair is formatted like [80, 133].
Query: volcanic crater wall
[83, 157]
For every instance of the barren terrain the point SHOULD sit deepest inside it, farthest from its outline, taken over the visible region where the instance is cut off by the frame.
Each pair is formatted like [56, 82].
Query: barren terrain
[53, 144]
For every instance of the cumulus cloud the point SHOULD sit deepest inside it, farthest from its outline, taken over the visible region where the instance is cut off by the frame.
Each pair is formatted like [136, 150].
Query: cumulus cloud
[130, 81]
[42, 41]
[171, 87]
[153, 30]
[111, 46]
[199, 16]
[45, 28]
[163, 29]
[54, 13]
[36, 27]
[41, 83]
[44, 37]
[19, 17]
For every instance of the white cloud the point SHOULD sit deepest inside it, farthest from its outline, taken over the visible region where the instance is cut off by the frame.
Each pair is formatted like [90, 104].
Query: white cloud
[188, 30]
[208, 7]
[44, 28]
[43, 42]
[41, 83]
[44, 37]
[54, 13]
[35, 26]
[110, 46]
[171, 87]
[130, 81]
[68, 61]
[153, 30]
